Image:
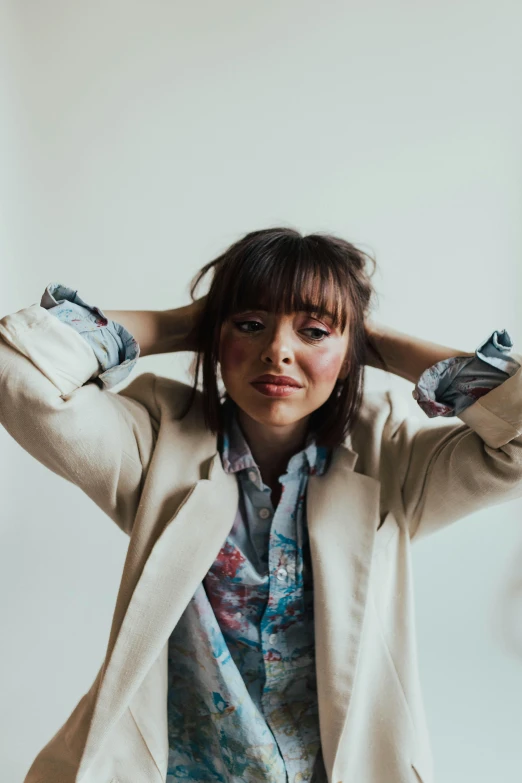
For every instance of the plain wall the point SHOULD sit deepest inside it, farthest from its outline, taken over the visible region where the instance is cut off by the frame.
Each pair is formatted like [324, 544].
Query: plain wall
[139, 140]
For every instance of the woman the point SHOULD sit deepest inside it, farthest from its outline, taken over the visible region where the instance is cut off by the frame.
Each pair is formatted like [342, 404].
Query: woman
[264, 628]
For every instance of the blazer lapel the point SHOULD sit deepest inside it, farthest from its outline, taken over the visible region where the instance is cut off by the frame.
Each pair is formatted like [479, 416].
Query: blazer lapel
[343, 515]
[178, 562]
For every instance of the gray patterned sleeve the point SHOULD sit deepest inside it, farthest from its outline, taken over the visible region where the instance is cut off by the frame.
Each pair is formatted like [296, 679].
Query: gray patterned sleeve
[115, 348]
[450, 386]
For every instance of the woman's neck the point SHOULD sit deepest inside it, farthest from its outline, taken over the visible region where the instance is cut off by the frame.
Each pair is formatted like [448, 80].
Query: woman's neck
[272, 447]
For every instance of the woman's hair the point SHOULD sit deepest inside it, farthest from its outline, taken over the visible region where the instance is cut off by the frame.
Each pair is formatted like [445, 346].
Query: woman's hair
[280, 270]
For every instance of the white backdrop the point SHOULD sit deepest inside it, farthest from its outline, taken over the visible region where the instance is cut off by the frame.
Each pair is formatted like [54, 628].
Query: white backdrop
[138, 140]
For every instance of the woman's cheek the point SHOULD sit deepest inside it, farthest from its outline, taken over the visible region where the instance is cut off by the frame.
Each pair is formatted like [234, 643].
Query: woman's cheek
[233, 353]
[325, 367]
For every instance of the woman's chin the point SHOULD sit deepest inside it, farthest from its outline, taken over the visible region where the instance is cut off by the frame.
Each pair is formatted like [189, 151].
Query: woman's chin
[274, 413]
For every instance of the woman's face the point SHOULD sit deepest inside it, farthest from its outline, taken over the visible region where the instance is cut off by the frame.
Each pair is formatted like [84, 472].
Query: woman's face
[307, 349]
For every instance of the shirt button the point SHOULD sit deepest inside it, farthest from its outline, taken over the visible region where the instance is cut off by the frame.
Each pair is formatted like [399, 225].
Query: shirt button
[252, 475]
[272, 638]
[238, 615]
[264, 513]
[281, 574]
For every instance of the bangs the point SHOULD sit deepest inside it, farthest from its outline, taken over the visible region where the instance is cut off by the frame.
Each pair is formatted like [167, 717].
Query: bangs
[288, 277]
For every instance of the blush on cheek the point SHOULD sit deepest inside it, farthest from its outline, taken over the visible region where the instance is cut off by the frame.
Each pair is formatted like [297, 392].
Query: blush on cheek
[325, 367]
[232, 353]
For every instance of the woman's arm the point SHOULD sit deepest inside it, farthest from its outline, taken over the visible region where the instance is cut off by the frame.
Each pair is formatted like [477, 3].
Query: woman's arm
[161, 331]
[405, 355]
[100, 441]
[447, 472]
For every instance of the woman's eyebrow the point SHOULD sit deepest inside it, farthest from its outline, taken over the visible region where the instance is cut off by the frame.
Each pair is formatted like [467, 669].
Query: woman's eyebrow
[307, 308]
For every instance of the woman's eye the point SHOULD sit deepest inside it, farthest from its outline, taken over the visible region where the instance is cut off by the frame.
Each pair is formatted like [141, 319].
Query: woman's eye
[244, 326]
[319, 335]
[241, 324]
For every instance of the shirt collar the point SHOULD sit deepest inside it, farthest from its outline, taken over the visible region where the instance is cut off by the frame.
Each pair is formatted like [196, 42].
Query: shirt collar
[236, 454]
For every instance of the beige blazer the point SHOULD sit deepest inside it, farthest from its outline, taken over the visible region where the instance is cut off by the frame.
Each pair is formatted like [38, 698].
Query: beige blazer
[159, 477]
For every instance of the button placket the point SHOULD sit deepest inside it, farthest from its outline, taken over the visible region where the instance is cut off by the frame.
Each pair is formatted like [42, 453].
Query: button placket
[281, 568]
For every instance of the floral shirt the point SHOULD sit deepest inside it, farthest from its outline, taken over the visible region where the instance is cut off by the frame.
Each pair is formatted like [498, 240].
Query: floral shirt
[242, 700]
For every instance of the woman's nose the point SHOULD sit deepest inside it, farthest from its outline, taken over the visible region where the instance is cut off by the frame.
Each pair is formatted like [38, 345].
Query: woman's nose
[278, 348]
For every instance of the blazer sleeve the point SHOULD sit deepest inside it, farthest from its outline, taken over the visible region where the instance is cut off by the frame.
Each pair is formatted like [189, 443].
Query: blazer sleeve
[447, 469]
[51, 404]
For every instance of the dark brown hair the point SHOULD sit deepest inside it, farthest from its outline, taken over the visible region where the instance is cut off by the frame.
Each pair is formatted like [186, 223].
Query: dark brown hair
[282, 271]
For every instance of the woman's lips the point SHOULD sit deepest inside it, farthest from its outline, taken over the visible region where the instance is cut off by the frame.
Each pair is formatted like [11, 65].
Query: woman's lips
[274, 389]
